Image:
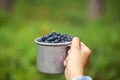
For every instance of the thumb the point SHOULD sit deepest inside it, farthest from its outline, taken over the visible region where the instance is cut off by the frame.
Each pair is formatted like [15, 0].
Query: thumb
[75, 43]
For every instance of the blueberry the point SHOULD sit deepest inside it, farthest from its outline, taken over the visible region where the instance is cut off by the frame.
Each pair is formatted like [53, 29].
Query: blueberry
[58, 37]
[46, 41]
[62, 41]
[50, 38]
[62, 38]
[64, 35]
[69, 38]
[56, 41]
[58, 34]
[39, 40]
[66, 39]
[55, 36]
[46, 36]
[43, 38]
[49, 41]
[49, 35]
[53, 33]
[52, 41]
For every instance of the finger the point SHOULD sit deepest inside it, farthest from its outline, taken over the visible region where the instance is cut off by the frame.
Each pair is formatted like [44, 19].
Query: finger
[65, 63]
[69, 51]
[85, 48]
[75, 43]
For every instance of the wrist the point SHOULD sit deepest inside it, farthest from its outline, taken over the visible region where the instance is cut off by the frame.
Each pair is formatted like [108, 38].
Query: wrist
[77, 74]
[79, 71]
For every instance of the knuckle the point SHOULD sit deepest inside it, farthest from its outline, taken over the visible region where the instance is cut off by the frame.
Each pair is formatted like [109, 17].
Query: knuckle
[87, 52]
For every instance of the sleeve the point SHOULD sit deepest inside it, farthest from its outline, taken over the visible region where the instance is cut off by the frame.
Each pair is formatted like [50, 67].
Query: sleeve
[82, 78]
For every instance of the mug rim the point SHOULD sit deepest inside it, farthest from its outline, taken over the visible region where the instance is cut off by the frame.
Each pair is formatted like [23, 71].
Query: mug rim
[50, 44]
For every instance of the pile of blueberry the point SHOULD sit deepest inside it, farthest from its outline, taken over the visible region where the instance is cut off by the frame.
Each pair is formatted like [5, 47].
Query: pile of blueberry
[54, 37]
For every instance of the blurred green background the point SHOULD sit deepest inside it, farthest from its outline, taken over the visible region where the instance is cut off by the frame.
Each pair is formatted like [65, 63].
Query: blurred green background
[96, 22]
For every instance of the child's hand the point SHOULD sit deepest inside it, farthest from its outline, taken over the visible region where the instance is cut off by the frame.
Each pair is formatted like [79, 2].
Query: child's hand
[77, 59]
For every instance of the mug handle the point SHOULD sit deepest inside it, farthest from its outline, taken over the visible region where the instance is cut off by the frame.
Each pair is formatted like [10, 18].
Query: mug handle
[67, 48]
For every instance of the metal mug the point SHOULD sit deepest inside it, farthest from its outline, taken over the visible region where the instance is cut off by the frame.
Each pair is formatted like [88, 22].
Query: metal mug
[50, 56]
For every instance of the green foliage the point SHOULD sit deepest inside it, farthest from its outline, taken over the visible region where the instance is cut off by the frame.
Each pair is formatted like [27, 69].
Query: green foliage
[3, 18]
[17, 34]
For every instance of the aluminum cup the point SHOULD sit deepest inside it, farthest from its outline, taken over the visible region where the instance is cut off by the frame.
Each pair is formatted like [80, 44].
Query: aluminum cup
[50, 56]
